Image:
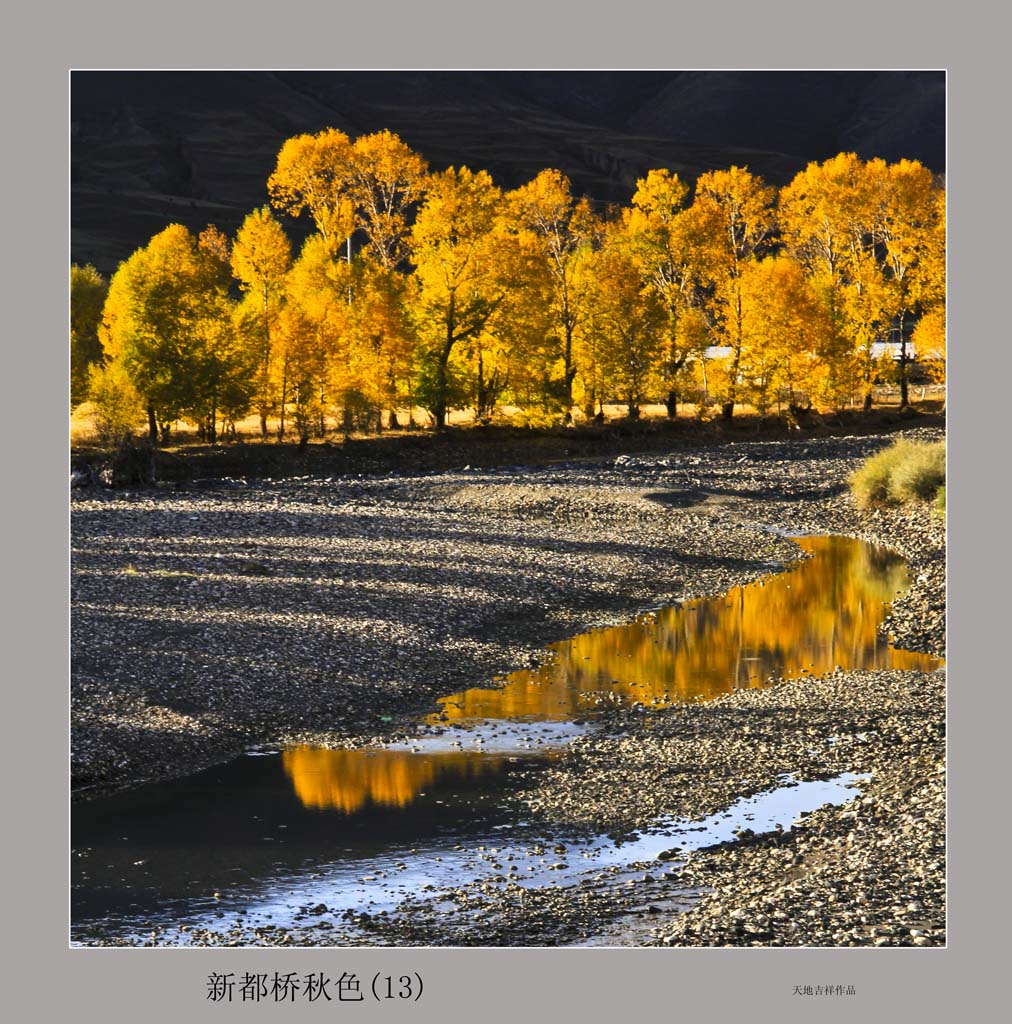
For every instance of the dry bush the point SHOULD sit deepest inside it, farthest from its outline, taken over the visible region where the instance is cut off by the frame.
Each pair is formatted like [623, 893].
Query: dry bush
[906, 471]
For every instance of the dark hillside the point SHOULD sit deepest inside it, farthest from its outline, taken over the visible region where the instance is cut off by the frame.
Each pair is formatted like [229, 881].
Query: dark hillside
[149, 148]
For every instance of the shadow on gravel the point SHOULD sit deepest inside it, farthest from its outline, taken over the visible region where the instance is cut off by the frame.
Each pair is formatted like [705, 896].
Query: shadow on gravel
[778, 492]
[678, 499]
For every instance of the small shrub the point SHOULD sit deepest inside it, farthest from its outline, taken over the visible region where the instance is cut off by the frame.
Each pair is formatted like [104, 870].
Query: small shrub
[536, 419]
[870, 483]
[919, 474]
[906, 471]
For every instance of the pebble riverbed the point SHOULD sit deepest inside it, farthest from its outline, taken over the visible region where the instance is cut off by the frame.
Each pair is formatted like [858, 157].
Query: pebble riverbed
[335, 611]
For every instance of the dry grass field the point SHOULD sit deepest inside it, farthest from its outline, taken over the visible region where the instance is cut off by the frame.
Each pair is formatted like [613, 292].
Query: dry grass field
[930, 398]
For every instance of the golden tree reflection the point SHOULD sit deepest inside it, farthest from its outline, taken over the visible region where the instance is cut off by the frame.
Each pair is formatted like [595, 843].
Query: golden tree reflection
[347, 780]
[821, 614]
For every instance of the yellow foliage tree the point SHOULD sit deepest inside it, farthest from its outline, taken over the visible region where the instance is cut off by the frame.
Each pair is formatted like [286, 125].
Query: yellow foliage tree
[316, 332]
[929, 293]
[826, 214]
[668, 245]
[386, 178]
[907, 230]
[164, 319]
[314, 173]
[873, 234]
[118, 405]
[735, 215]
[929, 342]
[515, 352]
[456, 283]
[260, 258]
[88, 290]
[564, 230]
[381, 339]
[786, 335]
[629, 317]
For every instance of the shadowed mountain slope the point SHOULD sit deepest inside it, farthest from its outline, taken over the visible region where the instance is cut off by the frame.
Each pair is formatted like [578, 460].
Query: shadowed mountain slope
[151, 147]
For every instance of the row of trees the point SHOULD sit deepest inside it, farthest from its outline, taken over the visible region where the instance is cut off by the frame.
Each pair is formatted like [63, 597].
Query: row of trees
[459, 294]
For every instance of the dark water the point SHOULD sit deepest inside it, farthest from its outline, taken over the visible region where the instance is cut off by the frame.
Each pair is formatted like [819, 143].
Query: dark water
[163, 850]
[264, 835]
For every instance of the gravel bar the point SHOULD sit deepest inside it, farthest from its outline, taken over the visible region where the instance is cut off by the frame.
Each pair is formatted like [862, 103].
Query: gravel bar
[208, 620]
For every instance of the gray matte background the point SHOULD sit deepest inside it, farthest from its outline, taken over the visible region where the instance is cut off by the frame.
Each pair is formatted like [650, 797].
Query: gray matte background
[44, 980]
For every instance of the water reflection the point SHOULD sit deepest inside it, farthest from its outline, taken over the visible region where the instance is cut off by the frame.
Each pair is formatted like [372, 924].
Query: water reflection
[165, 848]
[824, 612]
[348, 780]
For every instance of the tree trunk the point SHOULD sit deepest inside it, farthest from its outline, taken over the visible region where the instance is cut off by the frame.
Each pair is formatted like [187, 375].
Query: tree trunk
[439, 412]
[727, 409]
[152, 424]
[671, 404]
[904, 362]
[570, 374]
[284, 400]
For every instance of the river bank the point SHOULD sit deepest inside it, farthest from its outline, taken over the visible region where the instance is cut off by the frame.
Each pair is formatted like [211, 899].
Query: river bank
[336, 611]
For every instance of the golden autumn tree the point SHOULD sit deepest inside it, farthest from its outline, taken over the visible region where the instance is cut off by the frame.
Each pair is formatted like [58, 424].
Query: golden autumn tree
[827, 217]
[929, 293]
[381, 339]
[929, 283]
[162, 317]
[88, 291]
[827, 212]
[929, 342]
[870, 307]
[118, 406]
[872, 235]
[564, 229]
[223, 361]
[305, 363]
[512, 354]
[369, 185]
[787, 335]
[456, 286]
[670, 243]
[315, 333]
[908, 232]
[735, 215]
[629, 317]
[386, 177]
[313, 174]
[260, 259]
